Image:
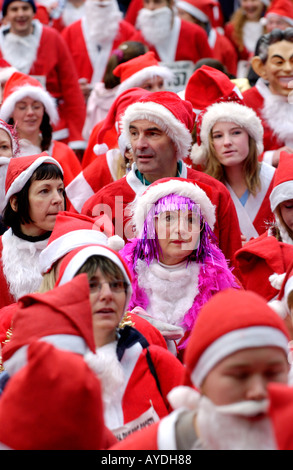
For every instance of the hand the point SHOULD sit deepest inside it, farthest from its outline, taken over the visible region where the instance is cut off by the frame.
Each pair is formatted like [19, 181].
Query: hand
[276, 156]
[85, 87]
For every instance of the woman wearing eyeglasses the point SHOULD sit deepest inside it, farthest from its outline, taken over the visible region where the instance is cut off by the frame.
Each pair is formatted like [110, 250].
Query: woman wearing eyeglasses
[135, 377]
[175, 262]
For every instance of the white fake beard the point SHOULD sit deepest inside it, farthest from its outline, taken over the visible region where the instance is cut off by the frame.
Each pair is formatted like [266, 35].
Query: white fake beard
[278, 113]
[108, 369]
[21, 52]
[155, 25]
[4, 161]
[227, 427]
[20, 260]
[97, 17]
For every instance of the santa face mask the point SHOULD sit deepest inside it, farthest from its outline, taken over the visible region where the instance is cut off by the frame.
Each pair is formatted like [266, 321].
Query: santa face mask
[155, 25]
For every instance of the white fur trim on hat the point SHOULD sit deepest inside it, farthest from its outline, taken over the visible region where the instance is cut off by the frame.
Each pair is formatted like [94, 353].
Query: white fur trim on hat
[142, 204]
[58, 248]
[94, 250]
[24, 176]
[184, 397]
[34, 92]
[282, 192]
[141, 76]
[276, 280]
[193, 11]
[243, 338]
[280, 307]
[164, 118]
[233, 112]
[100, 149]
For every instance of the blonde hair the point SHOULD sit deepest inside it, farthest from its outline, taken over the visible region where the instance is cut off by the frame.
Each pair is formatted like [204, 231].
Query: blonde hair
[49, 280]
[251, 166]
[238, 20]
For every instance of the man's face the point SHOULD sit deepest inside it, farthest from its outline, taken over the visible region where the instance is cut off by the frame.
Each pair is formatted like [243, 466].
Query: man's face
[278, 69]
[153, 150]
[20, 15]
[155, 4]
[244, 376]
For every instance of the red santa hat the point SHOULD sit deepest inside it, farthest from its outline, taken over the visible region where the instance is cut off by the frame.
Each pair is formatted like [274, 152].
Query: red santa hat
[283, 181]
[215, 98]
[6, 70]
[74, 260]
[285, 284]
[136, 71]
[114, 114]
[75, 230]
[53, 403]
[231, 321]
[281, 414]
[20, 86]
[202, 10]
[20, 170]
[282, 8]
[46, 405]
[166, 109]
[54, 315]
[198, 193]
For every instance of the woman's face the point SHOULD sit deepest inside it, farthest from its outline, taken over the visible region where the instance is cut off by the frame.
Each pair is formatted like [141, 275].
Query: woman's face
[28, 115]
[5, 144]
[286, 209]
[107, 298]
[178, 234]
[253, 9]
[231, 143]
[46, 199]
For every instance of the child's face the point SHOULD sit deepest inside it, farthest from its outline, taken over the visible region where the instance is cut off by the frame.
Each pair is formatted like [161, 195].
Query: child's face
[278, 69]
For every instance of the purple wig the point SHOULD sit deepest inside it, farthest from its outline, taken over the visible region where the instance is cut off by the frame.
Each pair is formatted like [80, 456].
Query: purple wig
[148, 246]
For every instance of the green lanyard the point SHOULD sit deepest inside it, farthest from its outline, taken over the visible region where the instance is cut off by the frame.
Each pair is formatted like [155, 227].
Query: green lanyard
[145, 182]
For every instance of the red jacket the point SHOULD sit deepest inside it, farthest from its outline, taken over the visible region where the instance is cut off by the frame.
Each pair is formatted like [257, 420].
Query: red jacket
[55, 63]
[74, 38]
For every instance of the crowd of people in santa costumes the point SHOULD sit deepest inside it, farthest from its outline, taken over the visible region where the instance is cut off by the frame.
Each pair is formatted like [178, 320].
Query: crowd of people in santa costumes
[146, 244]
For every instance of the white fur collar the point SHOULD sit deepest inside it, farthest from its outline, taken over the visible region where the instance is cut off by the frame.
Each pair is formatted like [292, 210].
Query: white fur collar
[171, 293]
[278, 113]
[20, 260]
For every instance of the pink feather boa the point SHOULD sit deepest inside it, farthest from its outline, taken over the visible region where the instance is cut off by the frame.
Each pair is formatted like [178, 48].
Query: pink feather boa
[214, 276]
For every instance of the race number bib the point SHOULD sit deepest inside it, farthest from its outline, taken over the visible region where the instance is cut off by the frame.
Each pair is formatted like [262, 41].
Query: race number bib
[146, 419]
[182, 70]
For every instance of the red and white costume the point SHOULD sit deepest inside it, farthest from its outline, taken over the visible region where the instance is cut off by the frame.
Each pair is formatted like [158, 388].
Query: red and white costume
[90, 63]
[270, 254]
[256, 214]
[223, 49]
[19, 255]
[51, 338]
[135, 377]
[102, 171]
[55, 65]
[261, 258]
[276, 115]
[249, 323]
[187, 42]
[225, 103]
